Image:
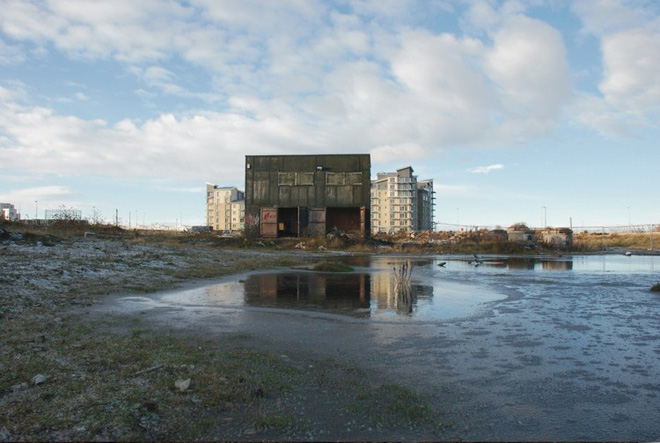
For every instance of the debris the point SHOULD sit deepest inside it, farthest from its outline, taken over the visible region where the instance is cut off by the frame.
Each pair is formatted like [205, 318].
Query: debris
[150, 405]
[153, 368]
[182, 385]
[38, 379]
[301, 245]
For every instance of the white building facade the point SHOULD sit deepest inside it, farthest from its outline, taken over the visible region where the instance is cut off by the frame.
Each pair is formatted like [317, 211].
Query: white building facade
[225, 208]
[8, 212]
[401, 203]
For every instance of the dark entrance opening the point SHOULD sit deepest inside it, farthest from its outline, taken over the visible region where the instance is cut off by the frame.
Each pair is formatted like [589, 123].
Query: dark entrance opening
[287, 222]
[344, 219]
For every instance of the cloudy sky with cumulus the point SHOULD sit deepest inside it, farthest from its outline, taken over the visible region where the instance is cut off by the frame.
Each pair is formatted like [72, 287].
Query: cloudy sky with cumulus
[533, 111]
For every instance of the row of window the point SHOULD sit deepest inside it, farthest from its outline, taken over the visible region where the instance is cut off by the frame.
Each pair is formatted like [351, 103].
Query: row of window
[307, 178]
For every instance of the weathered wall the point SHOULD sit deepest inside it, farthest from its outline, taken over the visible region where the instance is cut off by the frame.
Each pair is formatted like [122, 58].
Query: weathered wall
[305, 181]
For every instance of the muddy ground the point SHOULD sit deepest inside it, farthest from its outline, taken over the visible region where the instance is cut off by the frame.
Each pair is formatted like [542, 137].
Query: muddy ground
[83, 315]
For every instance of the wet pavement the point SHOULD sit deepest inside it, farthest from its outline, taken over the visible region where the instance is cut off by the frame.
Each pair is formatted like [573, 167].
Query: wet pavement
[554, 348]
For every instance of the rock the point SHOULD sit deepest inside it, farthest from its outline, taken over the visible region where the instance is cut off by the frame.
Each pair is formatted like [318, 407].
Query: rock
[38, 379]
[182, 385]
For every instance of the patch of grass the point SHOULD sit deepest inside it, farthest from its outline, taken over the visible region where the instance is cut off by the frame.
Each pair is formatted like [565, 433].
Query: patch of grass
[655, 287]
[392, 405]
[275, 422]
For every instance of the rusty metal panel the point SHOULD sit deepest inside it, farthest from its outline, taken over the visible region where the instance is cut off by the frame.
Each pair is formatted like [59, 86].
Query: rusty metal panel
[268, 222]
[316, 222]
[363, 221]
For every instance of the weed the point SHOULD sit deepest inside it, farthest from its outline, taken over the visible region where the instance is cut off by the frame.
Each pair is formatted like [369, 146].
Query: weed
[275, 422]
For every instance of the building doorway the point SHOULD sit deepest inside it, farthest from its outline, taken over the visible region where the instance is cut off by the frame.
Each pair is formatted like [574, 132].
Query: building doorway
[287, 222]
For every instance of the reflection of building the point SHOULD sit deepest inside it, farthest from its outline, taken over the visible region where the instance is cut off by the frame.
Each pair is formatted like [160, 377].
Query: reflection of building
[341, 292]
[225, 208]
[401, 203]
[557, 265]
[383, 291]
[8, 212]
[307, 195]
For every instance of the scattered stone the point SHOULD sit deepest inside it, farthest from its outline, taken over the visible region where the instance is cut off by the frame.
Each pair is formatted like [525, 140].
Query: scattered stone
[38, 379]
[182, 385]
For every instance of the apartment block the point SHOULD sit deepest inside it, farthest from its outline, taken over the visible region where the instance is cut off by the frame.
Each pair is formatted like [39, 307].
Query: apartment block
[401, 203]
[8, 212]
[225, 208]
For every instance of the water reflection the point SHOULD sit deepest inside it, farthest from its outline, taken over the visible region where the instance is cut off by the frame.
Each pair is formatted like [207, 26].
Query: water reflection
[457, 289]
[346, 293]
[356, 294]
[531, 263]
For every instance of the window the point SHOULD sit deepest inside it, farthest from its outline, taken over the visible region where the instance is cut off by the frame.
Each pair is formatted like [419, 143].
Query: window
[286, 178]
[305, 178]
[334, 179]
[354, 178]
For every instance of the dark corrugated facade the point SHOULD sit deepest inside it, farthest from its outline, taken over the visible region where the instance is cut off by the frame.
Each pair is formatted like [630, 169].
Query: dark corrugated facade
[307, 195]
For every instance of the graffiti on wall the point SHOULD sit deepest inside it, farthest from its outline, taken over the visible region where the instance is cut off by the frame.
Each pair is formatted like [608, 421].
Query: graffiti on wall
[251, 220]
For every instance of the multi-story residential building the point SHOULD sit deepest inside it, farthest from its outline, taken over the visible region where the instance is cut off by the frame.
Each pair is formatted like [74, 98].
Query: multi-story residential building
[8, 212]
[225, 208]
[425, 202]
[399, 202]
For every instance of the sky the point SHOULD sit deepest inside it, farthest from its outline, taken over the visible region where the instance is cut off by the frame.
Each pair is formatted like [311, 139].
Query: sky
[542, 112]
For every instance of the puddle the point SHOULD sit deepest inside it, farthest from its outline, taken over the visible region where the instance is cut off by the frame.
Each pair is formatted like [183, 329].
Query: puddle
[441, 287]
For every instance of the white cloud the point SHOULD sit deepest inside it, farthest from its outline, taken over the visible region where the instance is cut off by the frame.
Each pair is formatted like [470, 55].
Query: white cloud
[486, 169]
[528, 64]
[632, 70]
[630, 35]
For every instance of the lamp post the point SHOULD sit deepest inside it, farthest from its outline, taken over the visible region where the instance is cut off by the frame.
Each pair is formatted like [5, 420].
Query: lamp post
[36, 209]
[545, 216]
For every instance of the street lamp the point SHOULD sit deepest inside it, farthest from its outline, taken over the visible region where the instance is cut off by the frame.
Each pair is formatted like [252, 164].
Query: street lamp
[36, 209]
[545, 217]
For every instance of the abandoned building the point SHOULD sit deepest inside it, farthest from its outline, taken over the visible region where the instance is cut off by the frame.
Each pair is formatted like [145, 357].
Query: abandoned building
[520, 233]
[307, 195]
[558, 237]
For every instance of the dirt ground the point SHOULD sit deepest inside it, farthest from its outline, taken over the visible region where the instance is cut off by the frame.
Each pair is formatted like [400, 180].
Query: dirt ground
[69, 371]
[91, 352]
